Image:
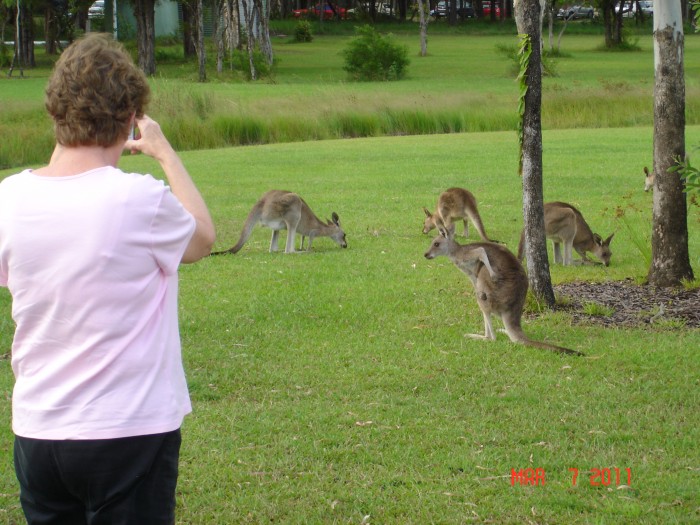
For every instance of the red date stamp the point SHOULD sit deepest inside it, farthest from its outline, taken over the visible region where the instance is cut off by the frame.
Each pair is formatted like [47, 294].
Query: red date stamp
[604, 477]
[597, 477]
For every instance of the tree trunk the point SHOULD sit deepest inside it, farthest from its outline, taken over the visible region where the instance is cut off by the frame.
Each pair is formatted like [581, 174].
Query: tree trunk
[144, 12]
[670, 262]
[201, 51]
[27, 35]
[423, 23]
[250, 41]
[262, 33]
[527, 17]
[188, 30]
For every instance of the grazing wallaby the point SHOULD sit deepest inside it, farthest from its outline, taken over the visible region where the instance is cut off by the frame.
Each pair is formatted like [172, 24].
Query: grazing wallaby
[648, 179]
[455, 204]
[280, 210]
[499, 281]
[584, 240]
[560, 228]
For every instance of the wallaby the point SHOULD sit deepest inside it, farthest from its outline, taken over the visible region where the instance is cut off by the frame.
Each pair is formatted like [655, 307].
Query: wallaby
[455, 204]
[560, 228]
[584, 239]
[280, 210]
[499, 281]
[648, 179]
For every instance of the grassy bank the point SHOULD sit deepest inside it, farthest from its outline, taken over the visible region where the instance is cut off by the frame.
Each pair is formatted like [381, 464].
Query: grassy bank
[464, 84]
[336, 387]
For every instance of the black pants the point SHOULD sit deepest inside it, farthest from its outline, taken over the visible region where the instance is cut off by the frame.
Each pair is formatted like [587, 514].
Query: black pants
[129, 481]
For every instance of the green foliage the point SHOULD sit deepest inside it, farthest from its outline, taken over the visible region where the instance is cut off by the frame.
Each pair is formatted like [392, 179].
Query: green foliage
[512, 53]
[524, 52]
[689, 173]
[302, 31]
[371, 56]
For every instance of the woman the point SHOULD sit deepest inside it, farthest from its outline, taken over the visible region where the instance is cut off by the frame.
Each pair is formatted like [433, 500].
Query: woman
[90, 256]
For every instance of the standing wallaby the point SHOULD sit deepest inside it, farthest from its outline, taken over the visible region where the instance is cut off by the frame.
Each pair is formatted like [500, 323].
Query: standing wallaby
[557, 213]
[648, 179]
[455, 204]
[284, 210]
[499, 281]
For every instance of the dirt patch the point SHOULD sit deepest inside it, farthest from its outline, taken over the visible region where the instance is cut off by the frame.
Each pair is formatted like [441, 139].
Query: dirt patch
[626, 304]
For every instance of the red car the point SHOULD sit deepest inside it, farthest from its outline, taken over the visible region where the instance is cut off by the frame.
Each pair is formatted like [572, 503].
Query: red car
[328, 13]
[487, 9]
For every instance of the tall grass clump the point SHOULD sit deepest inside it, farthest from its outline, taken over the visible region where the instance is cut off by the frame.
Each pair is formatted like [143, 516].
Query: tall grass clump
[353, 125]
[236, 131]
[371, 56]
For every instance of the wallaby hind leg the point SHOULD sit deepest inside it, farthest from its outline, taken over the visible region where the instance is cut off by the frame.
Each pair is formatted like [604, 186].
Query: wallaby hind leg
[291, 233]
[568, 252]
[274, 241]
[488, 330]
[466, 227]
[557, 252]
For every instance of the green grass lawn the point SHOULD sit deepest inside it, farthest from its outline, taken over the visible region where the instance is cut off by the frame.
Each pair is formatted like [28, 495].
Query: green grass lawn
[337, 387]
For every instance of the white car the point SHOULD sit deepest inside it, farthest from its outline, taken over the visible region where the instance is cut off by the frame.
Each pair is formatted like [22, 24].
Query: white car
[97, 10]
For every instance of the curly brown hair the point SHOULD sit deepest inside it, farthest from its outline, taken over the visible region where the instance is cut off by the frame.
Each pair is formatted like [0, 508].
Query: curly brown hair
[93, 91]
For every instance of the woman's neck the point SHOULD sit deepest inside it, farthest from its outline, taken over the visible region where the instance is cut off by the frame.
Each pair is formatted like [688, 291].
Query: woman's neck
[73, 160]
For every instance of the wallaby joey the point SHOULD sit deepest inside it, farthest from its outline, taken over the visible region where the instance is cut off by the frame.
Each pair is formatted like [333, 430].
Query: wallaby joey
[284, 210]
[558, 228]
[648, 179]
[455, 204]
[499, 281]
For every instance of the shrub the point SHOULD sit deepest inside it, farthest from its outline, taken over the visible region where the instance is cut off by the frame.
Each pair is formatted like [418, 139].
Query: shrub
[370, 56]
[302, 31]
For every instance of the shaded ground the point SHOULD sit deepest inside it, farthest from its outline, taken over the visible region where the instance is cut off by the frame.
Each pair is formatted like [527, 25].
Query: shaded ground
[624, 303]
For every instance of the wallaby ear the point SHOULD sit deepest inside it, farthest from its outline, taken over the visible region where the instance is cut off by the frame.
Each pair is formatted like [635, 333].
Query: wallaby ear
[646, 171]
[440, 225]
[427, 212]
[597, 239]
[606, 242]
[336, 219]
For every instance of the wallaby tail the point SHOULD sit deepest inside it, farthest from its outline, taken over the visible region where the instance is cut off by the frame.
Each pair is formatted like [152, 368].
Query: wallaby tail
[516, 334]
[250, 222]
[476, 219]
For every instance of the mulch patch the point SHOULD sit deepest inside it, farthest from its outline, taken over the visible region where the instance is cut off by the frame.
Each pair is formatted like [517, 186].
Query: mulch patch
[631, 304]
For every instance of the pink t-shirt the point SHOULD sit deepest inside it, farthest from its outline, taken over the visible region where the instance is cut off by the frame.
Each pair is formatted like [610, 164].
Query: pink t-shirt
[91, 263]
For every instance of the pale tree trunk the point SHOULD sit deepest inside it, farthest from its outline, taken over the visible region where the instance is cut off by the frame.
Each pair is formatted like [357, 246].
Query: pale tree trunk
[248, 15]
[550, 23]
[228, 35]
[527, 17]
[262, 19]
[423, 23]
[670, 261]
[201, 51]
[144, 12]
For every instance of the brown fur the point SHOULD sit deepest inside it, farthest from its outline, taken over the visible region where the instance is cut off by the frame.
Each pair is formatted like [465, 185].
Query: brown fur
[455, 204]
[500, 284]
[584, 240]
[284, 210]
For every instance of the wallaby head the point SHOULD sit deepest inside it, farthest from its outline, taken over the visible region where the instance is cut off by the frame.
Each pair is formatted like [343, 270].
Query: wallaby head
[338, 235]
[440, 244]
[648, 179]
[601, 248]
[429, 223]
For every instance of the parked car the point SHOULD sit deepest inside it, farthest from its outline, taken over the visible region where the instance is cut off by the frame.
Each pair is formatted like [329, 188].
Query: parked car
[315, 11]
[97, 9]
[629, 9]
[577, 12]
[486, 6]
[464, 9]
[380, 9]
